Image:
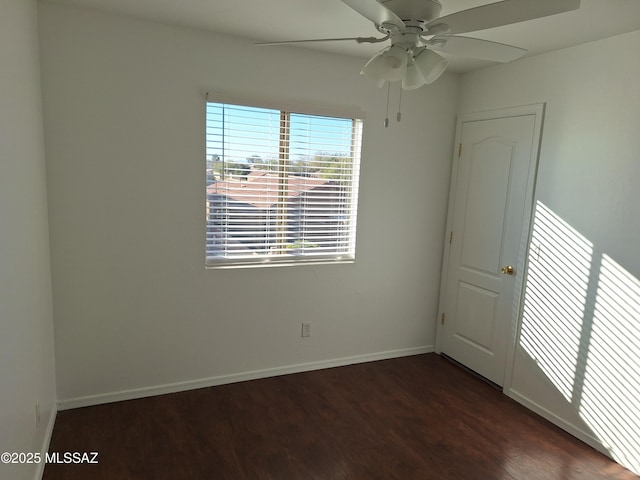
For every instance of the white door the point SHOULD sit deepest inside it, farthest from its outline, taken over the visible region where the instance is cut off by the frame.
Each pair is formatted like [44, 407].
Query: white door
[490, 207]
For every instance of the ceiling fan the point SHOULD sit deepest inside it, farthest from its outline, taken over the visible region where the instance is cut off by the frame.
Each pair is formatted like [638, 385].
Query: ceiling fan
[417, 32]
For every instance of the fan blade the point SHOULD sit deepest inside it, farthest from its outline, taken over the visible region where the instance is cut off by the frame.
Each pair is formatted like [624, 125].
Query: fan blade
[376, 12]
[287, 42]
[502, 13]
[475, 48]
[356, 39]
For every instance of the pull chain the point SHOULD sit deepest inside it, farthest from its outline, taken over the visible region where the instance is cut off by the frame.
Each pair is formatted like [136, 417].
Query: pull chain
[399, 115]
[386, 120]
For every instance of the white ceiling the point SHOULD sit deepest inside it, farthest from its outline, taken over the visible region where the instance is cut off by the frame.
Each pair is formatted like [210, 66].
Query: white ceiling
[274, 20]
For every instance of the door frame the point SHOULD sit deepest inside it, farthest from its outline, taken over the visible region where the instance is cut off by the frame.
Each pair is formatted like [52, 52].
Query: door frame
[537, 110]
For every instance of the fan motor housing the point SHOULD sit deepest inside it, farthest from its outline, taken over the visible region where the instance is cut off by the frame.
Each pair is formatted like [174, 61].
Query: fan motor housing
[414, 10]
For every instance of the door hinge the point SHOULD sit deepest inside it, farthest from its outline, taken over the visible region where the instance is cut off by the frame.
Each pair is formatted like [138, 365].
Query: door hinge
[451, 236]
[459, 149]
[442, 319]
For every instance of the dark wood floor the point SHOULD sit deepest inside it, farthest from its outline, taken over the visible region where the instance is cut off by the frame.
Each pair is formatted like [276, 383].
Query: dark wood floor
[410, 418]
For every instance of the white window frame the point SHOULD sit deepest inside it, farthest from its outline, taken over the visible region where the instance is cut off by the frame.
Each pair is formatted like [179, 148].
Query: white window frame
[281, 256]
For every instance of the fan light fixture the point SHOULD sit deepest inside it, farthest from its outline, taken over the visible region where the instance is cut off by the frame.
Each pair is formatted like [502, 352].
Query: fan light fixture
[413, 78]
[393, 64]
[430, 65]
[370, 70]
[414, 68]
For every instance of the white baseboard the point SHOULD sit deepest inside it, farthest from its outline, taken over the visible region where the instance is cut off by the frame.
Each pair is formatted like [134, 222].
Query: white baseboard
[558, 421]
[70, 403]
[46, 442]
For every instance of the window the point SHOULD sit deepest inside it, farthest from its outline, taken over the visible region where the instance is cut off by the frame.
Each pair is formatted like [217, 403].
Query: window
[282, 186]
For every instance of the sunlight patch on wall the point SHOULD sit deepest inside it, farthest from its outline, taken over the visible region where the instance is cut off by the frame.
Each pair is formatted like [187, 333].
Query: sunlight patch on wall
[610, 400]
[581, 326]
[555, 297]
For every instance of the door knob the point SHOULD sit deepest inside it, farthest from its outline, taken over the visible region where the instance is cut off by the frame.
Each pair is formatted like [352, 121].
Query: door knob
[508, 270]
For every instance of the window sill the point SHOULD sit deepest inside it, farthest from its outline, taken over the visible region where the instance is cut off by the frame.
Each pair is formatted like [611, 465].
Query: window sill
[280, 262]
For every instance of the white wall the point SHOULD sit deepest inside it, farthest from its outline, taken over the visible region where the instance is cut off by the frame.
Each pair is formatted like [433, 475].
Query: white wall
[134, 306]
[577, 357]
[26, 328]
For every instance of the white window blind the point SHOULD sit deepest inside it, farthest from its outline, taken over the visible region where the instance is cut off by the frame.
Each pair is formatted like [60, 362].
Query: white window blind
[282, 187]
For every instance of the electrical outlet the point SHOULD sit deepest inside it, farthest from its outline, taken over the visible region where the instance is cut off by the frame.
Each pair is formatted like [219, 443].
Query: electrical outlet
[306, 329]
[37, 414]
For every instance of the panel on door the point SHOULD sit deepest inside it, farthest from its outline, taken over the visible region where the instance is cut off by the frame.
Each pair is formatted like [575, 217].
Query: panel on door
[484, 212]
[476, 315]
